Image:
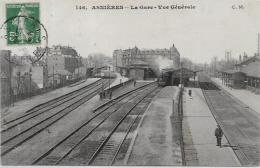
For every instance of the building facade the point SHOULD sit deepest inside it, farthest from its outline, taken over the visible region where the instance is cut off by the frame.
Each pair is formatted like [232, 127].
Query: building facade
[246, 74]
[124, 59]
[5, 75]
[62, 64]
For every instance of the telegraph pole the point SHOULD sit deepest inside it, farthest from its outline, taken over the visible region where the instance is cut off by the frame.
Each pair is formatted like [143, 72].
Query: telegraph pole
[109, 76]
[258, 47]
[10, 80]
[181, 74]
[53, 76]
[30, 84]
[78, 66]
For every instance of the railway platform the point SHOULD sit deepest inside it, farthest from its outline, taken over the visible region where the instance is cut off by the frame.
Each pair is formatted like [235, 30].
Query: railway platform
[118, 79]
[198, 131]
[155, 142]
[247, 97]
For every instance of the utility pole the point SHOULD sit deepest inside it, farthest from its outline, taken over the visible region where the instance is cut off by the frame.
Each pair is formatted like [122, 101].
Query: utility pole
[116, 63]
[109, 76]
[53, 76]
[258, 48]
[181, 74]
[172, 73]
[30, 84]
[86, 71]
[10, 80]
[78, 67]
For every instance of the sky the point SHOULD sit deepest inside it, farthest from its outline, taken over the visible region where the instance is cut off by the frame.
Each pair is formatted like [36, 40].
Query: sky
[199, 34]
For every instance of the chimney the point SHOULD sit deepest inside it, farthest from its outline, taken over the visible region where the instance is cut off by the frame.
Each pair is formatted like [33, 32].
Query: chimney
[258, 46]
[245, 56]
[240, 58]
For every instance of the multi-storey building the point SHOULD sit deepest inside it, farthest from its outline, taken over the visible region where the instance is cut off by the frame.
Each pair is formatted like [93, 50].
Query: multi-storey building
[5, 74]
[62, 61]
[125, 60]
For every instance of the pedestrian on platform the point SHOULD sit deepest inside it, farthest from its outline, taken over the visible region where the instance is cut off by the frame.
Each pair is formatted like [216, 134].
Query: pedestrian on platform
[134, 83]
[189, 92]
[100, 95]
[219, 135]
[110, 95]
[103, 94]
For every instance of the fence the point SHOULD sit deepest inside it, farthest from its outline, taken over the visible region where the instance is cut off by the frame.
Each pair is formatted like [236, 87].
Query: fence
[21, 96]
[180, 116]
[177, 118]
[113, 88]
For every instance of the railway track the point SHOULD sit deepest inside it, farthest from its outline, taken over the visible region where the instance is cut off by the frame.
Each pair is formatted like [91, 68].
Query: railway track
[98, 140]
[48, 104]
[107, 155]
[240, 124]
[23, 128]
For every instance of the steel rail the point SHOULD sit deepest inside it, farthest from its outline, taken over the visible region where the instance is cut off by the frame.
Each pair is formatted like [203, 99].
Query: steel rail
[50, 102]
[38, 130]
[239, 152]
[53, 112]
[113, 130]
[116, 100]
[87, 135]
[126, 134]
[112, 100]
[42, 110]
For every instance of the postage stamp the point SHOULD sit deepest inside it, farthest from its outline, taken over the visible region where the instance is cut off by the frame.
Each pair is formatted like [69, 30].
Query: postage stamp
[23, 29]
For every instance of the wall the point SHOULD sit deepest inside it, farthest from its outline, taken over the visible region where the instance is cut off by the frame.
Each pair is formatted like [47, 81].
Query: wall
[137, 74]
[57, 62]
[5, 78]
[37, 76]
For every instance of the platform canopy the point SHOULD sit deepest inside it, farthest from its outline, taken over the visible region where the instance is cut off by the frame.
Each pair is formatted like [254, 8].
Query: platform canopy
[186, 73]
[138, 64]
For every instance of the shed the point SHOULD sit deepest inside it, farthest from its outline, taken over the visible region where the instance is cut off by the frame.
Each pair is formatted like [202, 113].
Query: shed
[234, 78]
[138, 70]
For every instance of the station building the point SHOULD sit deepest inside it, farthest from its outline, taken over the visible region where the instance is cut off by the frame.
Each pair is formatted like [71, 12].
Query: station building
[244, 75]
[140, 63]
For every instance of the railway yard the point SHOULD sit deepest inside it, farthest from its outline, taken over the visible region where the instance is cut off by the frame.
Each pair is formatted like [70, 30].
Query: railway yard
[133, 123]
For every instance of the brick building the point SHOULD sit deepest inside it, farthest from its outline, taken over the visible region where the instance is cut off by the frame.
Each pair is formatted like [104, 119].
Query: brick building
[124, 60]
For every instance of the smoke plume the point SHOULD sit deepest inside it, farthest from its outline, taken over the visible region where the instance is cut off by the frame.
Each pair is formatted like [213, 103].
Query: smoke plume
[161, 63]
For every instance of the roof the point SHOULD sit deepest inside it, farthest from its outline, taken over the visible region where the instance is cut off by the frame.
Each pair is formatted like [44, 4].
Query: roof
[185, 72]
[249, 60]
[230, 71]
[68, 51]
[251, 73]
[139, 62]
[168, 69]
[177, 70]
[63, 72]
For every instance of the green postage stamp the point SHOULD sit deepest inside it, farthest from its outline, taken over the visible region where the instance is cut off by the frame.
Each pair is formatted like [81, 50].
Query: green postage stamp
[23, 26]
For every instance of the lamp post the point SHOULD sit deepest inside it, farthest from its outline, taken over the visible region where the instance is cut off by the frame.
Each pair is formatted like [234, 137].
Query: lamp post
[10, 80]
[109, 76]
[30, 80]
[53, 77]
[181, 75]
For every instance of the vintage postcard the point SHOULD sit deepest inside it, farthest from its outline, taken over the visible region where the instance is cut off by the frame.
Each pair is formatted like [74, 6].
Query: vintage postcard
[130, 83]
